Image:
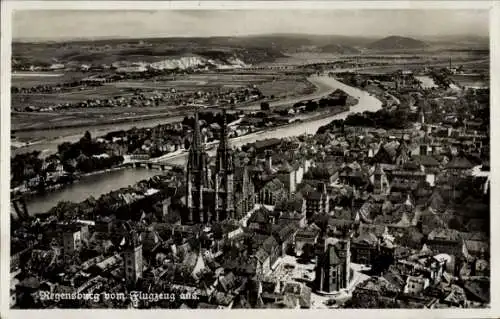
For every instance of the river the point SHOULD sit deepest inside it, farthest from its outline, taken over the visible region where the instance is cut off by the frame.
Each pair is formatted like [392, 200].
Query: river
[93, 185]
[97, 185]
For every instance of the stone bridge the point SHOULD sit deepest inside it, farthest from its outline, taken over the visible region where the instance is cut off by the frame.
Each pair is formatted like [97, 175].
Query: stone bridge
[155, 165]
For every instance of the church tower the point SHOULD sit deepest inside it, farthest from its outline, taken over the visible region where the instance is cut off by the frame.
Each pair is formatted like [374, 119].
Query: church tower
[132, 256]
[197, 179]
[224, 177]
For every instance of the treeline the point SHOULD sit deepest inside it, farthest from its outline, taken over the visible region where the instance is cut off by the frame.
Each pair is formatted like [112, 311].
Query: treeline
[91, 164]
[85, 146]
[84, 156]
[384, 119]
[25, 166]
[59, 87]
[441, 78]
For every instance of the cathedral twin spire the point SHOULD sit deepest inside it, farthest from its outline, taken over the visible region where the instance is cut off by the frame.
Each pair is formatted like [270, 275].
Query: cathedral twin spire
[199, 184]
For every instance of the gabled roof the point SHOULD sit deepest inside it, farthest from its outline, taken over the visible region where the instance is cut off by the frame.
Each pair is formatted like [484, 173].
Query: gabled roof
[260, 216]
[366, 238]
[228, 281]
[286, 232]
[269, 244]
[426, 160]
[435, 201]
[404, 222]
[459, 162]
[261, 255]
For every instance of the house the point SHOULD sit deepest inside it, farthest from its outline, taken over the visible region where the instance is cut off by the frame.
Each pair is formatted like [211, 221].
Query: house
[317, 201]
[415, 285]
[445, 241]
[272, 192]
[459, 164]
[353, 175]
[324, 172]
[297, 295]
[285, 236]
[306, 237]
[365, 248]
[260, 221]
[291, 210]
[266, 256]
[376, 292]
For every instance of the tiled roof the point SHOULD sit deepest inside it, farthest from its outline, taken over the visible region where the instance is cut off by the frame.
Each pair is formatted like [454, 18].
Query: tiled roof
[366, 238]
[459, 162]
[446, 234]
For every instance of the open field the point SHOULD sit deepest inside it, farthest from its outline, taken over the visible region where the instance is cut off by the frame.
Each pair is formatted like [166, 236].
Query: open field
[21, 100]
[95, 116]
[31, 127]
[278, 86]
[27, 79]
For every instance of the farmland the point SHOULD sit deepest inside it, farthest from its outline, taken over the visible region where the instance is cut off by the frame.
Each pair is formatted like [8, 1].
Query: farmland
[270, 85]
[28, 79]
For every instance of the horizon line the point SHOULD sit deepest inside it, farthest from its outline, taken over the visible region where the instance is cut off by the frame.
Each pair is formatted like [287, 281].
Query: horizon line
[102, 38]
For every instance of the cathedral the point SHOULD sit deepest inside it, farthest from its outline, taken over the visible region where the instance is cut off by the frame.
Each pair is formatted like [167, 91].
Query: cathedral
[210, 192]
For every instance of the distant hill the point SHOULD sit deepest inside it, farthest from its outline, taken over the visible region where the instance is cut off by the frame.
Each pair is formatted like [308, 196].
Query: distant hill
[397, 43]
[338, 48]
[252, 49]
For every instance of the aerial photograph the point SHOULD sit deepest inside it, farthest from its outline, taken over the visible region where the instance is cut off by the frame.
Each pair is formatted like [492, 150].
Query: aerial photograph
[250, 159]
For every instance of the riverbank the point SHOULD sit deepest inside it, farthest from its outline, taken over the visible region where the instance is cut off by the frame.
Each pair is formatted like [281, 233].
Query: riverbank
[77, 178]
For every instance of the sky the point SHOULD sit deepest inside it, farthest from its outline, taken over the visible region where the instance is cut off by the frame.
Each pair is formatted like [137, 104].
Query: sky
[54, 25]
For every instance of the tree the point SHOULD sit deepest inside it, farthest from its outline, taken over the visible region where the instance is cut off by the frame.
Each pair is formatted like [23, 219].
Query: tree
[87, 136]
[264, 106]
[311, 106]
